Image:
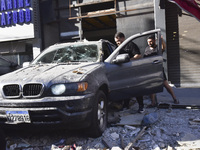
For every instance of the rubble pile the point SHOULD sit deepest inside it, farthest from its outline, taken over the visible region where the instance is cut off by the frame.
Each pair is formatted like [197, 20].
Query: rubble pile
[170, 129]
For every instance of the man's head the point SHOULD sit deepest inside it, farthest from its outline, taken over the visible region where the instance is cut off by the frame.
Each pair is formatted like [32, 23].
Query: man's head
[151, 41]
[119, 38]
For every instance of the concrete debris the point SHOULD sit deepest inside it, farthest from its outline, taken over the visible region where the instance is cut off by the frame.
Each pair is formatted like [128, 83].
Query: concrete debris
[196, 120]
[189, 137]
[54, 147]
[122, 142]
[135, 139]
[64, 147]
[61, 142]
[169, 148]
[116, 148]
[131, 119]
[106, 143]
[114, 136]
[178, 129]
[150, 119]
[130, 127]
[12, 147]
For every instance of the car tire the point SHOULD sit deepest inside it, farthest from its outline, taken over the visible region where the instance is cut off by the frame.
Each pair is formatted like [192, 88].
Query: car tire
[99, 115]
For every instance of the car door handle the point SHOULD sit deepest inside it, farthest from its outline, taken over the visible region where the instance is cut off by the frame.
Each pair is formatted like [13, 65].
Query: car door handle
[156, 61]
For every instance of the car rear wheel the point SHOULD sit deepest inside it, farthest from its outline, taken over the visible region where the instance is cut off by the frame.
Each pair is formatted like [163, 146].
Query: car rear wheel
[99, 115]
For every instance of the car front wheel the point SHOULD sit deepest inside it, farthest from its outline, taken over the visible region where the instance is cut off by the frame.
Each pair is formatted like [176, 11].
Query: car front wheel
[99, 114]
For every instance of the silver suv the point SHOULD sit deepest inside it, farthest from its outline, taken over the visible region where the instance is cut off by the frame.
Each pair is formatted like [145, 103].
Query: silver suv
[72, 83]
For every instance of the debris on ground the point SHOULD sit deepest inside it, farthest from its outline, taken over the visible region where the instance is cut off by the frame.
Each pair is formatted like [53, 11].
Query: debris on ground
[156, 129]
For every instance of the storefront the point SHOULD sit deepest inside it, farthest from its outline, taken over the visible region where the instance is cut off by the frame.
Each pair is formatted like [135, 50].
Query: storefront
[183, 49]
[19, 30]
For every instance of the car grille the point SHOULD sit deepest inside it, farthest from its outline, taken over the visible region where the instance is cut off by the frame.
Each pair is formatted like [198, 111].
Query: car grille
[28, 90]
[12, 90]
[32, 89]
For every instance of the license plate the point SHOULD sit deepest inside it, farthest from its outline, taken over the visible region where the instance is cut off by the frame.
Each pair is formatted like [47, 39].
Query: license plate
[18, 117]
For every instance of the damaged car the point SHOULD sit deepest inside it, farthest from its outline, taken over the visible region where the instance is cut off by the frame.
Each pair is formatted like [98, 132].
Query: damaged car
[72, 83]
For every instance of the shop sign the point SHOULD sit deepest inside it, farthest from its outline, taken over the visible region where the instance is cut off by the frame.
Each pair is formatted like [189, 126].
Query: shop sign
[16, 19]
[15, 12]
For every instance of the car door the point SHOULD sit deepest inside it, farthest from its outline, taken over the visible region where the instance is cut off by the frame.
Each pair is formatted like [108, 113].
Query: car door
[137, 77]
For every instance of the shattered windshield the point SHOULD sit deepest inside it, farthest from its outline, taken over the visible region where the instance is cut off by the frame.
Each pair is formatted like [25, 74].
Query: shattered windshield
[69, 53]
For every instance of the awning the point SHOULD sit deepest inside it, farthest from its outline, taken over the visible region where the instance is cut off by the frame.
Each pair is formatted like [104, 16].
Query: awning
[190, 6]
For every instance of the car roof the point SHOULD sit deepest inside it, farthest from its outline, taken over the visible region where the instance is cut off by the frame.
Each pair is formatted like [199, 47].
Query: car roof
[81, 42]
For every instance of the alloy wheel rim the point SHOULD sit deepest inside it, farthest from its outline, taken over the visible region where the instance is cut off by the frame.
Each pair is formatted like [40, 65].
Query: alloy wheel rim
[101, 113]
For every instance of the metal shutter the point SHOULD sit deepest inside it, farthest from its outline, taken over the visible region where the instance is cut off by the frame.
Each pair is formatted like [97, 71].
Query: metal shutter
[189, 38]
[172, 32]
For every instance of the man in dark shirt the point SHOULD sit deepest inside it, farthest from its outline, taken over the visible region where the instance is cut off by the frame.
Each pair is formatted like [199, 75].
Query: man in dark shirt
[131, 48]
[152, 50]
[134, 53]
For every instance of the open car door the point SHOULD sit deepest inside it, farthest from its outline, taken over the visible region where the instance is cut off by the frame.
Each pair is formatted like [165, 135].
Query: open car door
[136, 77]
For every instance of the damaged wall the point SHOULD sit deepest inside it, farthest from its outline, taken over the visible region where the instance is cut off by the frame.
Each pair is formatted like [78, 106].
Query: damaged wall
[135, 16]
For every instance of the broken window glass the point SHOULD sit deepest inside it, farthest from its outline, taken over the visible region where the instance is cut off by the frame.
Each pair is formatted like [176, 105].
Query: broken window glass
[72, 53]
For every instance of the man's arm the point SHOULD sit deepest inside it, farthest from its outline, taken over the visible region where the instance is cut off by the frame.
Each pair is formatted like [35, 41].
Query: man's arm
[135, 51]
[137, 56]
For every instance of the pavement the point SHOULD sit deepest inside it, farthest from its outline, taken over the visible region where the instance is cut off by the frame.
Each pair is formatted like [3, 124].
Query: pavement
[186, 97]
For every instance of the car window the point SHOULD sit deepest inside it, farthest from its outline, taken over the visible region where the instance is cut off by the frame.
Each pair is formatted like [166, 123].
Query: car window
[47, 58]
[72, 53]
[107, 50]
[142, 43]
[4, 63]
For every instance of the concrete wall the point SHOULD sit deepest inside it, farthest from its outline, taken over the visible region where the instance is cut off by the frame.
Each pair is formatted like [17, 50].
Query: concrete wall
[49, 26]
[135, 16]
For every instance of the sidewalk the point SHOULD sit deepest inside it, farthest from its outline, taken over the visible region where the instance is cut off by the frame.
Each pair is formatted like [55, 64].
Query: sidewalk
[186, 96]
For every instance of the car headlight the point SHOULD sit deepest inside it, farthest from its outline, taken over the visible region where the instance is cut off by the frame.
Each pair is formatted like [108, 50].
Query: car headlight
[69, 88]
[58, 89]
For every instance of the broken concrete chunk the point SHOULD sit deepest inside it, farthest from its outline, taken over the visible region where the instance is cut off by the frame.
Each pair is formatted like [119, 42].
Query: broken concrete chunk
[196, 120]
[130, 127]
[13, 147]
[114, 136]
[116, 148]
[156, 147]
[105, 141]
[149, 119]
[133, 119]
[158, 134]
[169, 148]
[189, 137]
[135, 132]
[161, 145]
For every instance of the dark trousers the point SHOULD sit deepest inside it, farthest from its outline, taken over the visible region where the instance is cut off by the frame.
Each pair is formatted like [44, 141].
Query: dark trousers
[140, 101]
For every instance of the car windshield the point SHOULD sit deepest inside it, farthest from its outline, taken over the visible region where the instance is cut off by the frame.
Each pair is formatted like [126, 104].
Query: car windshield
[69, 53]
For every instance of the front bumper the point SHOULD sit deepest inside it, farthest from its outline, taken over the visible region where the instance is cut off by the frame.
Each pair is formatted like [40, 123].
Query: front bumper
[71, 111]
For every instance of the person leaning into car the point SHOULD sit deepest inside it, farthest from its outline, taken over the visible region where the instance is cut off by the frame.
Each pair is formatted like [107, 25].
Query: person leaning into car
[134, 53]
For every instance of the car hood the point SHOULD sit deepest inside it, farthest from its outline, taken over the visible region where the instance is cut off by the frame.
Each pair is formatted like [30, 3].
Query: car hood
[45, 73]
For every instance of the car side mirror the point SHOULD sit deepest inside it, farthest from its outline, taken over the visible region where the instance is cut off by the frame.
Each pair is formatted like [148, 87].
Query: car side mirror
[122, 58]
[26, 64]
